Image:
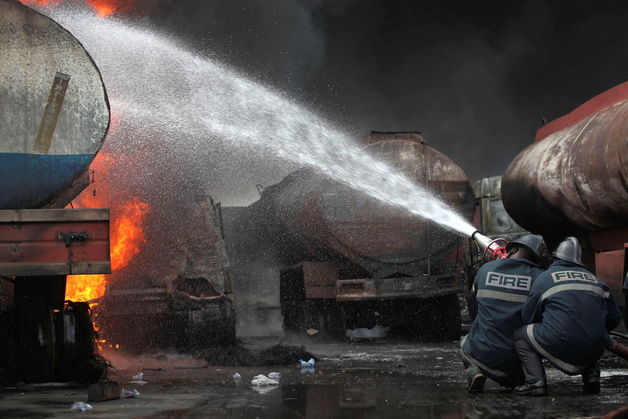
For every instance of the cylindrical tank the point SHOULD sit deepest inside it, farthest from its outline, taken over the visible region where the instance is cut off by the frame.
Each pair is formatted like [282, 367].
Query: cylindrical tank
[310, 217]
[575, 176]
[54, 110]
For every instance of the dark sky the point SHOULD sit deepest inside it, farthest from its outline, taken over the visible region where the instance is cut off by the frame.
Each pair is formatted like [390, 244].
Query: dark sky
[475, 77]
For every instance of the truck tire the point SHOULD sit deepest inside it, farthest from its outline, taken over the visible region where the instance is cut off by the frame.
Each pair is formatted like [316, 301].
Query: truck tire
[335, 321]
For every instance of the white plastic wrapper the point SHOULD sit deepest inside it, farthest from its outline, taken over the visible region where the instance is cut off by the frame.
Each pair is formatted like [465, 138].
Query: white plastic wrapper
[263, 381]
[129, 394]
[81, 406]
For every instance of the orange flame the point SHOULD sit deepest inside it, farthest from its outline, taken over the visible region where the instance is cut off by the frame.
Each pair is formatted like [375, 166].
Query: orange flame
[127, 236]
[103, 8]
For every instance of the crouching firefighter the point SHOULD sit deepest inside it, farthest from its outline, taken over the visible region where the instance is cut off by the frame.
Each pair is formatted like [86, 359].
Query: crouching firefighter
[500, 287]
[568, 316]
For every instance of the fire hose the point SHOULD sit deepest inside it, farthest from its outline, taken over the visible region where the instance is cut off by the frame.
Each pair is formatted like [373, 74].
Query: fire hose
[492, 249]
[616, 347]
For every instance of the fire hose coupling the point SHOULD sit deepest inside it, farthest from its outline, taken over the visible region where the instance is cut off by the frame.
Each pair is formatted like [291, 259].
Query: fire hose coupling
[492, 249]
[68, 238]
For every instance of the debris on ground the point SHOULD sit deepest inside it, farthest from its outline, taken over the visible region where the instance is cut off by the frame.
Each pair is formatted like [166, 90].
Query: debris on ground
[103, 391]
[274, 375]
[311, 363]
[261, 381]
[377, 332]
[129, 394]
[81, 406]
[240, 356]
[312, 332]
[138, 378]
[236, 376]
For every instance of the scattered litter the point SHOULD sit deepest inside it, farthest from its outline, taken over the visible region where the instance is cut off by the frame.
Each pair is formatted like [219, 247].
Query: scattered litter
[274, 375]
[439, 357]
[236, 376]
[377, 332]
[307, 364]
[308, 370]
[312, 332]
[262, 381]
[138, 378]
[81, 406]
[129, 394]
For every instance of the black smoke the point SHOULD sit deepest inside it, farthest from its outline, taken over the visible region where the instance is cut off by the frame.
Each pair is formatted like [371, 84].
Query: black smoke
[476, 77]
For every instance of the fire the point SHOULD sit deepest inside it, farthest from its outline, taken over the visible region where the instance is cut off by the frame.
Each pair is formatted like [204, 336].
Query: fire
[103, 8]
[40, 2]
[127, 236]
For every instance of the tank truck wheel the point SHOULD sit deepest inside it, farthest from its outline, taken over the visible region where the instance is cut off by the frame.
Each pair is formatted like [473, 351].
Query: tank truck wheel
[444, 318]
[335, 321]
[309, 316]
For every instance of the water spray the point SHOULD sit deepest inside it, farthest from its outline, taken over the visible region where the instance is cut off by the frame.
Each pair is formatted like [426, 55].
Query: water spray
[209, 101]
[492, 249]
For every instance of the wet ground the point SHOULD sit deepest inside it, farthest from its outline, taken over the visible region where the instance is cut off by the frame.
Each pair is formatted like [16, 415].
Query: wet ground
[365, 380]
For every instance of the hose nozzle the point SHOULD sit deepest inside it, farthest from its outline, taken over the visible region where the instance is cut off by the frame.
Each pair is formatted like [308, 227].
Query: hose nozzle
[492, 249]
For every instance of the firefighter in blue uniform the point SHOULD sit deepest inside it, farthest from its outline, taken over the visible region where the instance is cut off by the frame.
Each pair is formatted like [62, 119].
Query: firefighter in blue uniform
[501, 287]
[568, 316]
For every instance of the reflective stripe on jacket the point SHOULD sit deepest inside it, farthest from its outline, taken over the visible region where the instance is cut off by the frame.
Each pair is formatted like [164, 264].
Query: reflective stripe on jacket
[571, 312]
[502, 289]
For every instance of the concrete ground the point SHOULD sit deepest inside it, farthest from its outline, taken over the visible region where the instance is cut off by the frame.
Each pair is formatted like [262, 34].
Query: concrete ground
[351, 380]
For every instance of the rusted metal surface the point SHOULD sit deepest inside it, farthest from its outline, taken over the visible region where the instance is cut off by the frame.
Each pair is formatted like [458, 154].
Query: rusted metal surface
[356, 289]
[319, 279]
[54, 242]
[310, 217]
[393, 288]
[574, 178]
[611, 268]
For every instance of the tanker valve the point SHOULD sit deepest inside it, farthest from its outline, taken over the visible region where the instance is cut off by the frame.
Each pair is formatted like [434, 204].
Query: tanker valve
[493, 249]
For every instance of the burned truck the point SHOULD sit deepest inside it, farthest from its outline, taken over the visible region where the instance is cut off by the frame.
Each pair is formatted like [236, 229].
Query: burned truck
[53, 120]
[347, 260]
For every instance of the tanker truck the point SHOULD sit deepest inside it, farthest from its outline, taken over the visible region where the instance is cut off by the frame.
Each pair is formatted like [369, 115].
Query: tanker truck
[347, 261]
[54, 116]
[572, 181]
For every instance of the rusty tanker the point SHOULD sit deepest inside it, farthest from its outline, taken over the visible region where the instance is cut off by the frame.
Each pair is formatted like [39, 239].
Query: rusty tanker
[573, 180]
[349, 261]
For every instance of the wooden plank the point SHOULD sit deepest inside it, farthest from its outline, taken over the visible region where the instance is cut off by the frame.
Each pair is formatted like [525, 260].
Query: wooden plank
[53, 215]
[51, 113]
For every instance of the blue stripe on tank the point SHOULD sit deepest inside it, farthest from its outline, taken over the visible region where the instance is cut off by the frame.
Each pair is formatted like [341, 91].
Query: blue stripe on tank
[29, 180]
